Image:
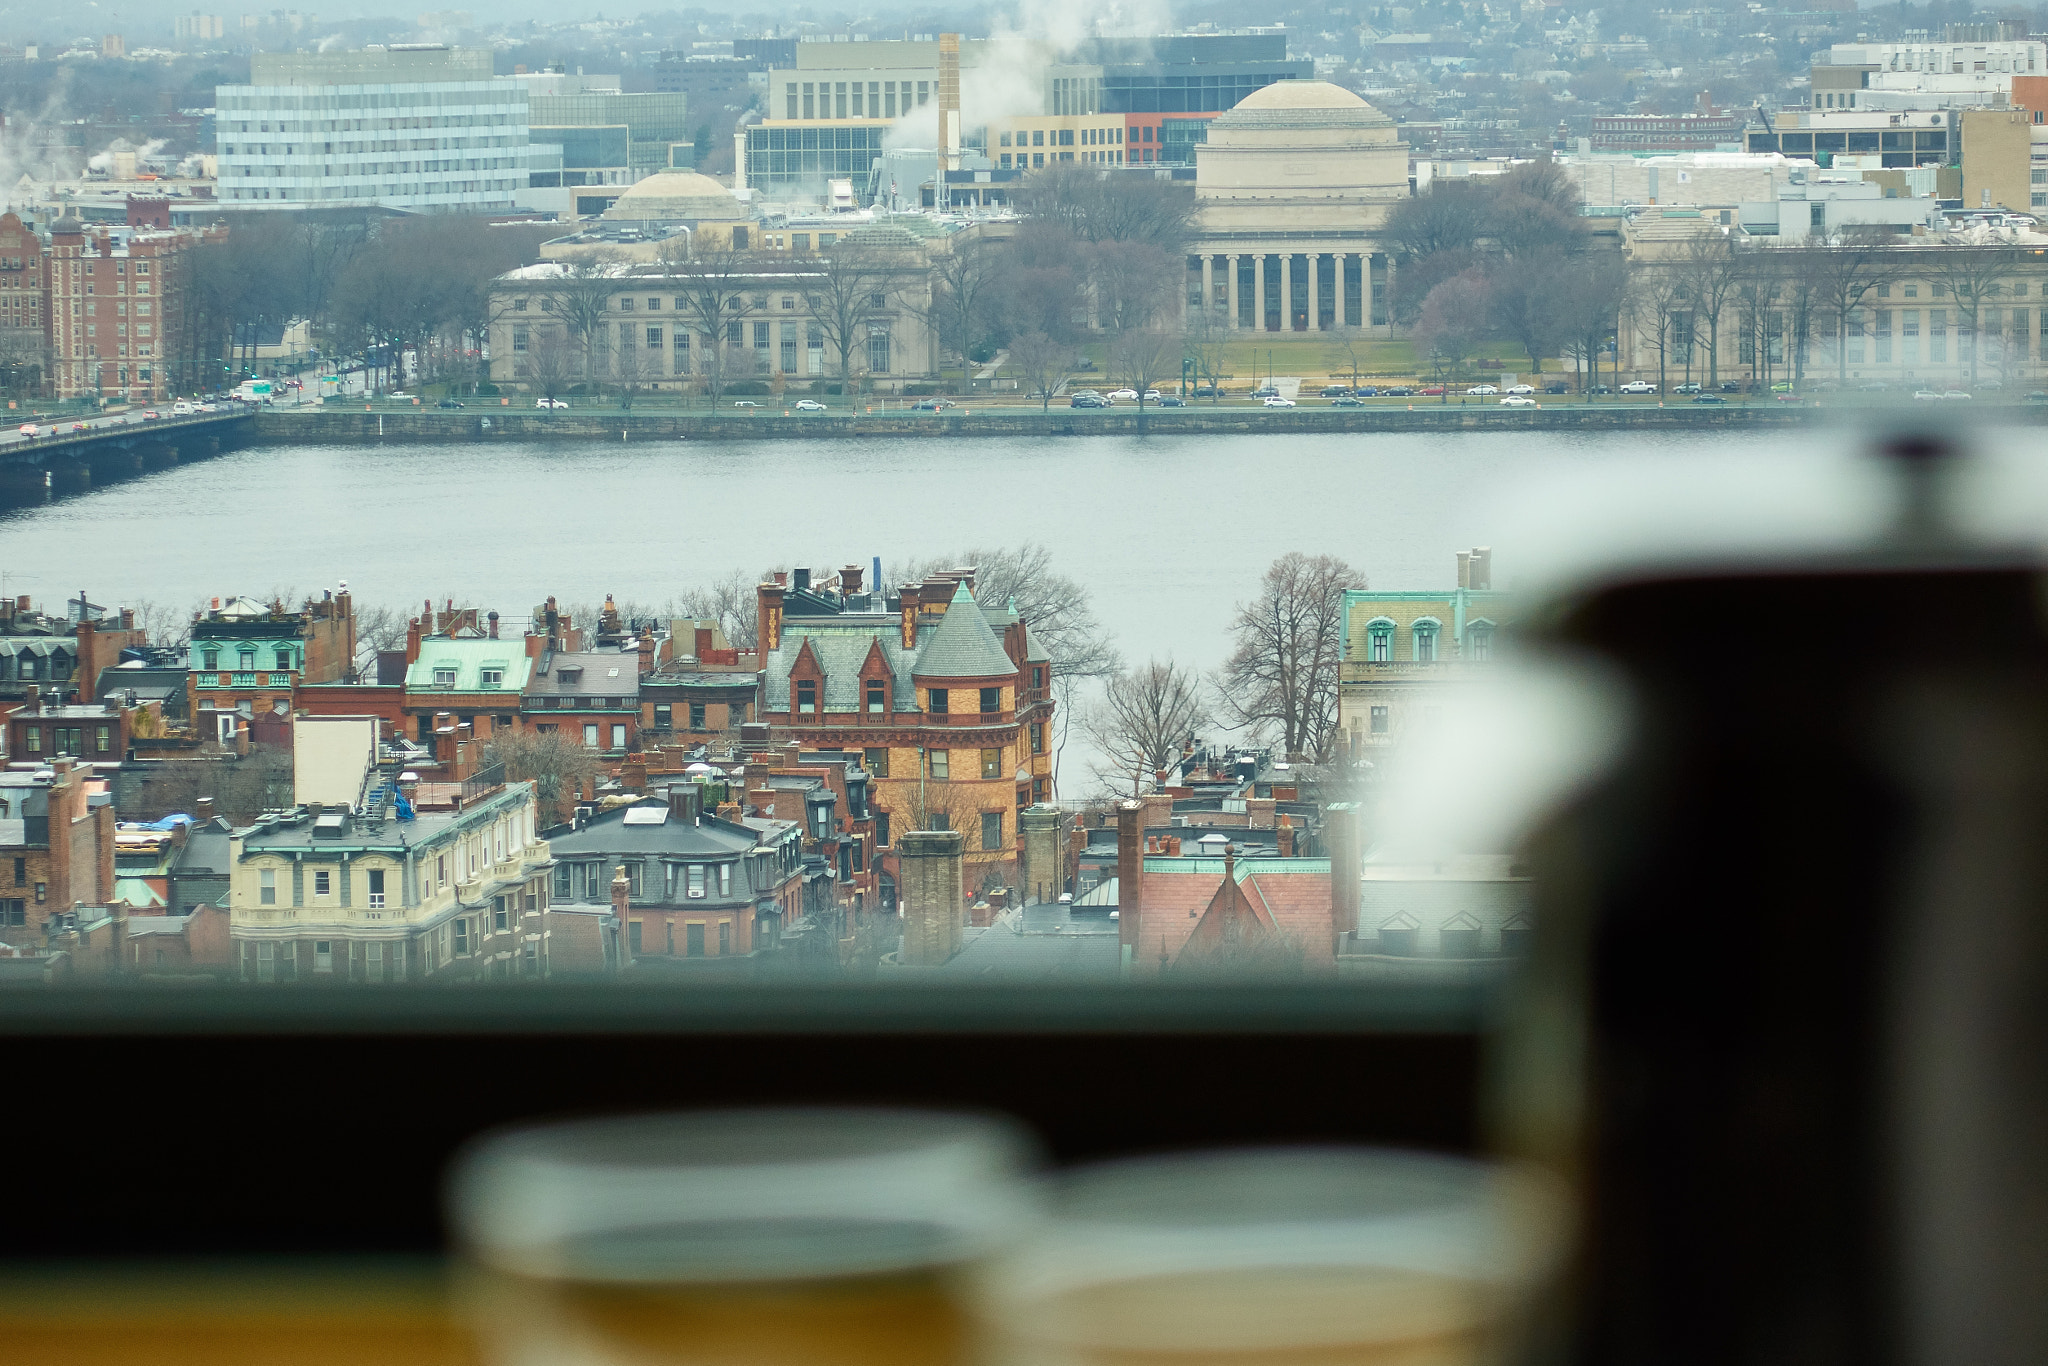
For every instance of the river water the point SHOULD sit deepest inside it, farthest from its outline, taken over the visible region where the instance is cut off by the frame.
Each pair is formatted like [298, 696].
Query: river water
[1169, 534]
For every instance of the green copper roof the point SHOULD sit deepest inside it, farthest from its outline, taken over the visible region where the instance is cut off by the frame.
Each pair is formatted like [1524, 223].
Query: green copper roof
[963, 645]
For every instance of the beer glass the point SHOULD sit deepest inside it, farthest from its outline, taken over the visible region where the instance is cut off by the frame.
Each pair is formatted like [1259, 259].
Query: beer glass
[1312, 1257]
[737, 1238]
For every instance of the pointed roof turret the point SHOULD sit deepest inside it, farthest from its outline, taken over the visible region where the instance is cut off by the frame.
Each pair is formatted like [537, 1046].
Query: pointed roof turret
[963, 645]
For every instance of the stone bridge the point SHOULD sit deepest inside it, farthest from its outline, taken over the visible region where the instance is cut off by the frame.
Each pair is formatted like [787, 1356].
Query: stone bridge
[68, 462]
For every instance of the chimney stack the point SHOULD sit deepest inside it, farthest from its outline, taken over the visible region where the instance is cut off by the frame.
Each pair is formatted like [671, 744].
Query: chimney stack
[1341, 835]
[494, 623]
[1130, 875]
[621, 889]
[934, 910]
[768, 606]
[685, 802]
[949, 100]
[849, 580]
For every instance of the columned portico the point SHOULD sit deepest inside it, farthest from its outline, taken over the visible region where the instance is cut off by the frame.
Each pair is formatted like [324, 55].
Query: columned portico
[1315, 298]
[1259, 291]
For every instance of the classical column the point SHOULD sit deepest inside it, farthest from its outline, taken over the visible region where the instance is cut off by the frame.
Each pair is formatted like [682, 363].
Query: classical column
[1287, 291]
[1259, 291]
[1208, 287]
[1315, 285]
[1343, 295]
[1390, 281]
[1236, 320]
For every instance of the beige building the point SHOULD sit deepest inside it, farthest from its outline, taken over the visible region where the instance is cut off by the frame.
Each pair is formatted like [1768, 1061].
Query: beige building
[1404, 653]
[2005, 160]
[1291, 189]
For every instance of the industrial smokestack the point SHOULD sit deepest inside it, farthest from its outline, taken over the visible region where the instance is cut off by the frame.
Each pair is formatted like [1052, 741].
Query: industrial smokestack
[949, 99]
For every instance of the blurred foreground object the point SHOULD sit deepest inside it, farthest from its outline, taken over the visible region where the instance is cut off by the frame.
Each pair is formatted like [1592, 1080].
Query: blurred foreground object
[1787, 1019]
[778, 1237]
[1338, 1257]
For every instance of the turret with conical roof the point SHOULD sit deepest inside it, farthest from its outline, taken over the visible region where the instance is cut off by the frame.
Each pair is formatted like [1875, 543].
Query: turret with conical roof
[963, 646]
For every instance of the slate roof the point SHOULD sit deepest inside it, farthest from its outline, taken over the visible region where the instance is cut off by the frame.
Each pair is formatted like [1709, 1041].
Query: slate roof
[964, 645]
[594, 673]
[841, 645]
[608, 834]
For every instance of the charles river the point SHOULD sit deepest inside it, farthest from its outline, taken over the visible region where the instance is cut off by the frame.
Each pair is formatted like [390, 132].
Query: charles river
[1168, 533]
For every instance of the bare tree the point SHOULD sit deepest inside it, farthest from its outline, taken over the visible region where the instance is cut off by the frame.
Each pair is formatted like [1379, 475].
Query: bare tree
[729, 601]
[1529, 302]
[1846, 271]
[556, 763]
[1142, 720]
[1282, 672]
[715, 294]
[1595, 286]
[848, 295]
[547, 362]
[1142, 356]
[965, 281]
[631, 368]
[1453, 319]
[1347, 352]
[1041, 363]
[580, 298]
[1653, 302]
[1450, 215]
[1133, 283]
[1092, 205]
[1708, 272]
[1974, 276]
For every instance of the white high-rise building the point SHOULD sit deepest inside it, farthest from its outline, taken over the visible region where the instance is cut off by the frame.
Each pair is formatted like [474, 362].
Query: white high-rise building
[421, 127]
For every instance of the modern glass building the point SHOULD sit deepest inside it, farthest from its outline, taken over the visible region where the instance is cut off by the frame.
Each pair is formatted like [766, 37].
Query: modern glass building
[421, 127]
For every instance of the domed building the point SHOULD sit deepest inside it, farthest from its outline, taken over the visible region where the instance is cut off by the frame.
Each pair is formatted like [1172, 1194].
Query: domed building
[676, 197]
[1290, 190]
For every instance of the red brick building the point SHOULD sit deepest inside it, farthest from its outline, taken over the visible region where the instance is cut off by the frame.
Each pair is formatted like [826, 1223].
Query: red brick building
[116, 300]
[24, 317]
[56, 851]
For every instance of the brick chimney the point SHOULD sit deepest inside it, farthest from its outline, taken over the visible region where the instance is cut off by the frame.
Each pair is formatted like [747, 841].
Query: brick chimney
[909, 605]
[934, 910]
[849, 580]
[1259, 812]
[768, 615]
[412, 642]
[620, 890]
[494, 623]
[1341, 835]
[646, 653]
[703, 642]
[1130, 874]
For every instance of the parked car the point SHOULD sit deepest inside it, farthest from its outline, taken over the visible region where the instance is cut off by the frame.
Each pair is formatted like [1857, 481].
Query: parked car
[1639, 386]
[1600, 389]
[810, 405]
[1430, 391]
[1686, 388]
[1152, 396]
[1277, 402]
[1927, 395]
[450, 403]
[1708, 398]
[1992, 384]
[1173, 401]
[1127, 395]
[1265, 391]
[1557, 386]
[1518, 401]
[744, 403]
[1208, 391]
[1365, 391]
[1953, 394]
[923, 405]
[1398, 391]
[1347, 402]
[551, 403]
[1479, 390]
[1731, 386]
[1519, 389]
[1336, 391]
[1086, 401]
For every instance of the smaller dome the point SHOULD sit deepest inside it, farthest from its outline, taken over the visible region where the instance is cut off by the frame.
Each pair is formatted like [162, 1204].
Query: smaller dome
[1297, 105]
[668, 195]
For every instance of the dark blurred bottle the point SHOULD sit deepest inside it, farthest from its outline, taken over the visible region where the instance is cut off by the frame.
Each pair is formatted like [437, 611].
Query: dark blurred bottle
[1786, 1025]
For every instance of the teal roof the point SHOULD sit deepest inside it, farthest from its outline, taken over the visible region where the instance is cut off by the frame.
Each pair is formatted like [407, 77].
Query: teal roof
[963, 645]
[467, 658]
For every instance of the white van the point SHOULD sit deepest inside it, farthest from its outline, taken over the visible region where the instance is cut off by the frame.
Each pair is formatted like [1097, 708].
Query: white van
[182, 408]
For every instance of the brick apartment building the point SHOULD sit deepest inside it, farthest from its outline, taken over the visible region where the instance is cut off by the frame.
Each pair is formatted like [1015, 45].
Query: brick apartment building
[247, 659]
[948, 704]
[56, 856]
[24, 319]
[40, 651]
[116, 307]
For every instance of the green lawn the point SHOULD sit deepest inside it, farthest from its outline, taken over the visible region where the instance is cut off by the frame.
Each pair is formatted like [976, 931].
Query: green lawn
[1315, 357]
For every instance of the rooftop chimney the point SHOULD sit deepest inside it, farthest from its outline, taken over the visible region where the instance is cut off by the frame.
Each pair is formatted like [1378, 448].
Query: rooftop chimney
[849, 580]
[1130, 875]
[494, 623]
[620, 891]
[803, 578]
[949, 99]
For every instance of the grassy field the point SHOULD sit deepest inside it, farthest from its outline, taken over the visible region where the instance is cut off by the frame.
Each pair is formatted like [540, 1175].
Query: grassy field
[1311, 357]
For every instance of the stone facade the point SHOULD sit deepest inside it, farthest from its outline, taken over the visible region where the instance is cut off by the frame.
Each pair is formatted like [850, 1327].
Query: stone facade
[934, 911]
[1403, 654]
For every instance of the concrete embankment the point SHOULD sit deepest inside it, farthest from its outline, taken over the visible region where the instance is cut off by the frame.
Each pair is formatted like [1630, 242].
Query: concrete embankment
[506, 424]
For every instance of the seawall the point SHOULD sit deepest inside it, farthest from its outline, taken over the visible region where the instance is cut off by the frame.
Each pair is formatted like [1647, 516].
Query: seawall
[326, 425]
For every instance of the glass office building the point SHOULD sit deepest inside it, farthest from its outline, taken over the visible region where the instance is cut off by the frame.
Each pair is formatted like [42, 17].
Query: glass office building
[424, 127]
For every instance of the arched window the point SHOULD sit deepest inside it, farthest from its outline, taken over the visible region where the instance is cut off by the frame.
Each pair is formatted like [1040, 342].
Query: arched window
[1426, 630]
[1379, 641]
[1479, 640]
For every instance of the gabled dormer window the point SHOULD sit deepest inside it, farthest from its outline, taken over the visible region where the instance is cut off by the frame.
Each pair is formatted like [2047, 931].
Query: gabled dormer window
[806, 697]
[878, 696]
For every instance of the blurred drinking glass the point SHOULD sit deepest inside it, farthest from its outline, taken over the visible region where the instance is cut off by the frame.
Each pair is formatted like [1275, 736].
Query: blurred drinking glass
[777, 1237]
[1308, 1257]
